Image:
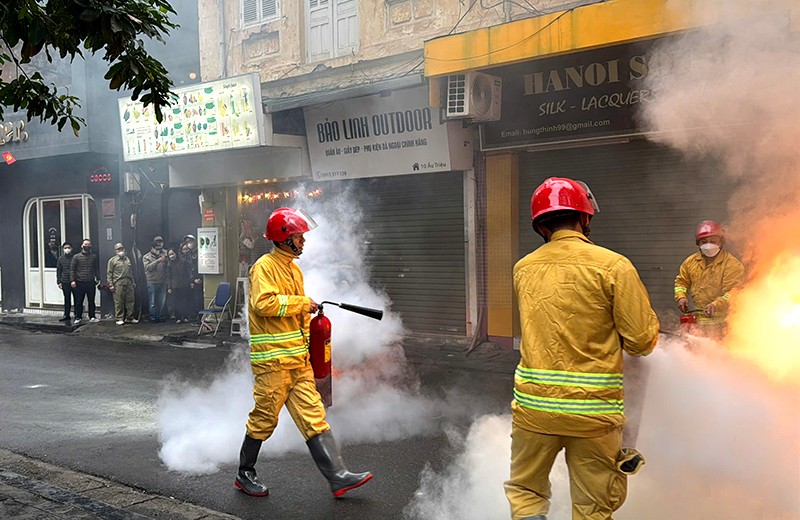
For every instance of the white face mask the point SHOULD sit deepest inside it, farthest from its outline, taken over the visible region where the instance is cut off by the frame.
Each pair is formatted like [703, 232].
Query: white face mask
[120, 253]
[67, 250]
[710, 250]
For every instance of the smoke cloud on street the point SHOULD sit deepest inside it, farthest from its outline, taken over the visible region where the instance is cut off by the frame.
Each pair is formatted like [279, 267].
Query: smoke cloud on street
[721, 426]
[202, 423]
[720, 442]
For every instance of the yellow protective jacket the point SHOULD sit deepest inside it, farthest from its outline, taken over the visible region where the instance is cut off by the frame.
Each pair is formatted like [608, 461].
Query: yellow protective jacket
[710, 283]
[580, 305]
[279, 314]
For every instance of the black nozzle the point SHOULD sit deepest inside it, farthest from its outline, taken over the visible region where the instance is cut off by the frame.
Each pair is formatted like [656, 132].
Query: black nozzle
[375, 314]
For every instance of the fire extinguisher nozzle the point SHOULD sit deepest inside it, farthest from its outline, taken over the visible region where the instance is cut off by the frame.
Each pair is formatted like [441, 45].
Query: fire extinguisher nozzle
[376, 314]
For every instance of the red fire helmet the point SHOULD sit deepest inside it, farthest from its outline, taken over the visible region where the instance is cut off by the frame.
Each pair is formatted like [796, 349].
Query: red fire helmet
[287, 221]
[708, 228]
[558, 194]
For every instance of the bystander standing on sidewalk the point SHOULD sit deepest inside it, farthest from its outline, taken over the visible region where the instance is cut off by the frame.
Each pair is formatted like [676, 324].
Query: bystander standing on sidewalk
[120, 282]
[180, 276]
[196, 284]
[64, 278]
[155, 268]
[172, 271]
[84, 275]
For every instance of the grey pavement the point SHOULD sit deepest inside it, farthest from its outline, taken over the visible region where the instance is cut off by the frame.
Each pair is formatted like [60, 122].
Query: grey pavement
[32, 489]
[35, 490]
[443, 351]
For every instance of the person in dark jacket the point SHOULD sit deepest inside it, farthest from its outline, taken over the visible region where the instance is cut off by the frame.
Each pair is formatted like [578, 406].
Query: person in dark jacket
[155, 268]
[85, 275]
[180, 277]
[196, 284]
[63, 277]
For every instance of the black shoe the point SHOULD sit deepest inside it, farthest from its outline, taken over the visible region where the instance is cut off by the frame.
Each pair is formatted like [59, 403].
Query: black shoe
[246, 479]
[64, 318]
[249, 484]
[325, 453]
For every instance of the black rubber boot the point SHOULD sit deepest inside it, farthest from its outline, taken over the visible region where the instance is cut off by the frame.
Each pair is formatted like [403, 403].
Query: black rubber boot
[246, 479]
[326, 454]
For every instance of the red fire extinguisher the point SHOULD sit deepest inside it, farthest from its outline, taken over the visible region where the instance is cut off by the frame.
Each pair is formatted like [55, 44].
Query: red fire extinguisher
[689, 320]
[320, 345]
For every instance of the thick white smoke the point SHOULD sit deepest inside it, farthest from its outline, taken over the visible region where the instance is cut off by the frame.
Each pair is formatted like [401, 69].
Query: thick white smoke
[202, 423]
[720, 439]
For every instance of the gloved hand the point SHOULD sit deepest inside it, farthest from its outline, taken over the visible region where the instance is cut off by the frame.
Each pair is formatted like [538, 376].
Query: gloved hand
[629, 461]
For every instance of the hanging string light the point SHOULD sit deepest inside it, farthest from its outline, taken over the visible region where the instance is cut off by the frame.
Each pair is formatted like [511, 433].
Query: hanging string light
[250, 198]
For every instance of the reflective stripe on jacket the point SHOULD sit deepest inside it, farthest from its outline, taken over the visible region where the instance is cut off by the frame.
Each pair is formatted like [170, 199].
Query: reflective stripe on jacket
[278, 313]
[580, 305]
[710, 283]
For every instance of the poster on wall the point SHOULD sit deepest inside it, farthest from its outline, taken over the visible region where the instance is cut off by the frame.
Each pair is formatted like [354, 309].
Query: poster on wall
[382, 135]
[218, 115]
[208, 251]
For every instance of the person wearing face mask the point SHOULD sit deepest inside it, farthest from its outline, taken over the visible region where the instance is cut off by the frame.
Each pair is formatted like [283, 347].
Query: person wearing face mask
[84, 275]
[709, 276]
[64, 280]
[155, 269]
[580, 307]
[120, 282]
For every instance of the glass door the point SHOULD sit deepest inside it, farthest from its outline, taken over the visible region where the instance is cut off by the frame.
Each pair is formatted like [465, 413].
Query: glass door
[51, 221]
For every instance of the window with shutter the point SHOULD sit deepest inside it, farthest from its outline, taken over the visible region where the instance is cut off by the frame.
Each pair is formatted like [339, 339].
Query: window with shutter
[258, 11]
[332, 28]
[269, 9]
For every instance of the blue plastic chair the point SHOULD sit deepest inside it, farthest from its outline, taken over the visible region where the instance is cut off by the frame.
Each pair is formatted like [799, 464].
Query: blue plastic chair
[216, 309]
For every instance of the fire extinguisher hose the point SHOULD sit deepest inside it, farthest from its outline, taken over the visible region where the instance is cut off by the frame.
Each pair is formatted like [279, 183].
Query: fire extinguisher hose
[375, 314]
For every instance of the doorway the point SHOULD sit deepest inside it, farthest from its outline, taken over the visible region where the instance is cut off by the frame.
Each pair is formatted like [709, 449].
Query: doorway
[49, 222]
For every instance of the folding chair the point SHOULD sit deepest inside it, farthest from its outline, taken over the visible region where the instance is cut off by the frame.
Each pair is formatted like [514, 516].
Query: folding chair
[216, 309]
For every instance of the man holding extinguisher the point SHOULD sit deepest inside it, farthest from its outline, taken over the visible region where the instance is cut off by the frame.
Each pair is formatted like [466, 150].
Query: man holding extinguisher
[279, 315]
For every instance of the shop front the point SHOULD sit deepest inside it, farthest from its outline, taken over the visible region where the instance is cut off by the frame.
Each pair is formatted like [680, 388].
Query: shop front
[54, 190]
[409, 172]
[398, 172]
[571, 108]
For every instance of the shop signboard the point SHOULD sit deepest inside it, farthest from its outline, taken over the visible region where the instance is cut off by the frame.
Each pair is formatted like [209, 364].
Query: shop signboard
[382, 135]
[205, 117]
[208, 251]
[584, 95]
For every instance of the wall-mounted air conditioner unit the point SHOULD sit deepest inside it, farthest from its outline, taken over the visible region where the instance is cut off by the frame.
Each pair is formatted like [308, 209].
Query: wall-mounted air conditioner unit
[473, 95]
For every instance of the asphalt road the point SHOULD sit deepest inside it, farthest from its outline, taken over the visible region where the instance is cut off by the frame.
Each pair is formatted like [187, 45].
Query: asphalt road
[89, 405]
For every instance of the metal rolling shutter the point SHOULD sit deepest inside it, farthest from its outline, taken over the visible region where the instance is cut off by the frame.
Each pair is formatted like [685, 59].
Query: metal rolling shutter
[416, 248]
[651, 198]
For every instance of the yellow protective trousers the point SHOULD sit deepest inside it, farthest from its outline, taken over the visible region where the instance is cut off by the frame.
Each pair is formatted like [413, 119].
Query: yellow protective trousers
[294, 388]
[596, 487]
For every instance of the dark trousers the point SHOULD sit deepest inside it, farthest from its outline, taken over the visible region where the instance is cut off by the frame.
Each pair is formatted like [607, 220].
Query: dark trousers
[182, 299]
[67, 289]
[84, 289]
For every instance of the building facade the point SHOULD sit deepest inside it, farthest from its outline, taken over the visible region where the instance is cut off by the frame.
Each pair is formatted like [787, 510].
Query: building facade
[64, 188]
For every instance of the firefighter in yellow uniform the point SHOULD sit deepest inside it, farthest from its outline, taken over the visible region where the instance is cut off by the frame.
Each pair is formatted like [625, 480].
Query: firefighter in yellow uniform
[580, 306]
[279, 317]
[709, 276]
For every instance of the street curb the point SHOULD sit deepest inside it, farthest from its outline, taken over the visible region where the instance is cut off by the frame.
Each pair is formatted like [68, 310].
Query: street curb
[60, 487]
